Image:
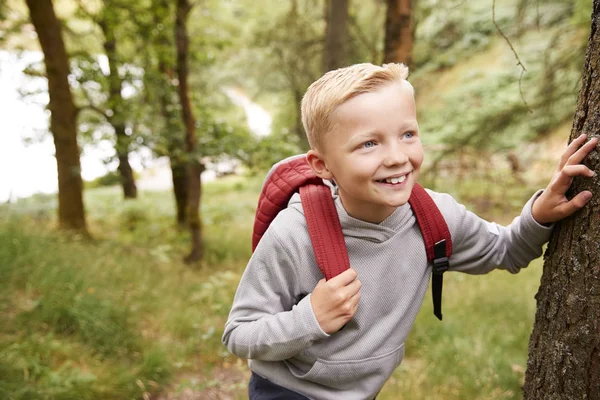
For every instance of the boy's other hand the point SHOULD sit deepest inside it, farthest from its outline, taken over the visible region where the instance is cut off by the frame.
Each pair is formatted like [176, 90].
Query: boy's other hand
[553, 205]
[335, 301]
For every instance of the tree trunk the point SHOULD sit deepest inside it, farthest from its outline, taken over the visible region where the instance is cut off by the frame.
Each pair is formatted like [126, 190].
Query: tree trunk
[180, 189]
[337, 38]
[174, 145]
[194, 167]
[173, 133]
[399, 32]
[63, 119]
[299, 128]
[115, 100]
[564, 349]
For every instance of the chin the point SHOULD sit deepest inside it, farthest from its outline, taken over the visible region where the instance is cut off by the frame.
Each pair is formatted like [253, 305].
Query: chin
[398, 202]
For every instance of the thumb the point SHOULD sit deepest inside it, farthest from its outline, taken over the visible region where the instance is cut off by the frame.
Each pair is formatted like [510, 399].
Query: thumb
[576, 203]
[582, 198]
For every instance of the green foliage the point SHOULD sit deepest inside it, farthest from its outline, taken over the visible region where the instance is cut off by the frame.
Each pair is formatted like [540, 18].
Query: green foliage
[269, 150]
[65, 334]
[117, 316]
[111, 178]
[483, 105]
[582, 11]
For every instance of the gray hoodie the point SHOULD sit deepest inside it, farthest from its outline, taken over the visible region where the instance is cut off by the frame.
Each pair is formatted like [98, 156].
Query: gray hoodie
[272, 321]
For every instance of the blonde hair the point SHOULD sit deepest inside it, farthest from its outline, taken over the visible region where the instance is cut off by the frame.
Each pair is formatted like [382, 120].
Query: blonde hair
[337, 86]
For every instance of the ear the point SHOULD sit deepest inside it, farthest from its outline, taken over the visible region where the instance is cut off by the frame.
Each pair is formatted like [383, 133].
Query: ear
[317, 163]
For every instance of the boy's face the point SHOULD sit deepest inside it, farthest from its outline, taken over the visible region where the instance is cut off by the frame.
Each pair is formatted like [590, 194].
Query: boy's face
[374, 151]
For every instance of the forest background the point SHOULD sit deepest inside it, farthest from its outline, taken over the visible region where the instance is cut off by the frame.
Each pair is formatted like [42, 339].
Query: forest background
[112, 309]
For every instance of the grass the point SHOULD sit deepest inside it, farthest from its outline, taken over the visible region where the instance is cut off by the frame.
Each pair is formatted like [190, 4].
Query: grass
[121, 317]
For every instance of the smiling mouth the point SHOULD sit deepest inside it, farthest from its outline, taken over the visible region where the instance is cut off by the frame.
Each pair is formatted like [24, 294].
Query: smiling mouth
[394, 180]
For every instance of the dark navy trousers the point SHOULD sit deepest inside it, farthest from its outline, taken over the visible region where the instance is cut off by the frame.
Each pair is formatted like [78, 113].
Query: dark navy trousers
[260, 388]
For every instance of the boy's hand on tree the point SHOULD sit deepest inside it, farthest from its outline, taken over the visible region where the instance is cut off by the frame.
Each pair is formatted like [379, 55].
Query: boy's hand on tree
[335, 301]
[553, 205]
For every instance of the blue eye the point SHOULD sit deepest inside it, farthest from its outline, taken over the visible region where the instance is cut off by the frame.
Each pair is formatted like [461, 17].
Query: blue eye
[408, 135]
[368, 144]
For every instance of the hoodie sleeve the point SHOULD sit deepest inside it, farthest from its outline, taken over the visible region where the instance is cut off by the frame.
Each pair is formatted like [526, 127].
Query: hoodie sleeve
[480, 246]
[267, 322]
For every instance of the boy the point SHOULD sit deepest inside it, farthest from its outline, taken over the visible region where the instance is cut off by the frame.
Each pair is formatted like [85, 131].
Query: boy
[362, 127]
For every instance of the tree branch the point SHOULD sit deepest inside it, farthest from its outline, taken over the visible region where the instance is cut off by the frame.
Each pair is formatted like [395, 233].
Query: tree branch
[91, 106]
[94, 108]
[519, 62]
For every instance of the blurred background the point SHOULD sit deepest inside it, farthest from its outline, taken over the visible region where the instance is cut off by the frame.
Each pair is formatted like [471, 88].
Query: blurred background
[124, 294]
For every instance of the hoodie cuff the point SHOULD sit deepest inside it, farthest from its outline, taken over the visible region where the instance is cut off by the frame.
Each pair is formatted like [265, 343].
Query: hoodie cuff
[309, 320]
[539, 232]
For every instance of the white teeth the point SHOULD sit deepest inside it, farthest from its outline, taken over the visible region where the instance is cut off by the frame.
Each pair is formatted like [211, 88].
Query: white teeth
[396, 180]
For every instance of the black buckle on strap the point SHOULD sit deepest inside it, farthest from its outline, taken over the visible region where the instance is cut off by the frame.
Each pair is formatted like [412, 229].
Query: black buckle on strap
[440, 261]
[440, 265]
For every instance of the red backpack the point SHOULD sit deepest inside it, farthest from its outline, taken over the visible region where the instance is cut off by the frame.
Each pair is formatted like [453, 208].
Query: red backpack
[294, 174]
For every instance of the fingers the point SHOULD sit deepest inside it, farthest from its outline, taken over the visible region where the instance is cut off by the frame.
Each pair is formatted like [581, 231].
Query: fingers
[354, 303]
[575, 204]
[570, 150]
[566, 175]
[352, 289]
[343, 279]
[575, 154]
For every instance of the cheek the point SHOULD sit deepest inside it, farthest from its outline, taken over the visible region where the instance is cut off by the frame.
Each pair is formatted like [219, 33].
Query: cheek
[416, 157]
[418, 161]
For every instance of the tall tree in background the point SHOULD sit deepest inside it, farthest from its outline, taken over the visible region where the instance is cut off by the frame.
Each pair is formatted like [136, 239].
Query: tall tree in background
[337, 38]
[63, 124]
[399, 31]
[194, 166]
[108, 21]
[173, 129]
[564, 349]
[161, 92]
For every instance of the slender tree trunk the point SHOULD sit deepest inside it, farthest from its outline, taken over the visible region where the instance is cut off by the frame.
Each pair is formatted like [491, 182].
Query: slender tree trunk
[173, 136]
[115, 101]
[180, 189]
[195, 168]
[63, 119]
[564, 349]
[337, 39]
[399, 32]
[174, 145]
[299, 128]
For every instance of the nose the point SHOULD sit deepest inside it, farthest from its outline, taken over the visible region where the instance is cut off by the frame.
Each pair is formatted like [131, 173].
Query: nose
[394, 156]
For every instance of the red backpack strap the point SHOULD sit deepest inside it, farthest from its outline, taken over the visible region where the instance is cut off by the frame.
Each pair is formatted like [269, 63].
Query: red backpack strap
[325, 230]
[284, 179]
[295, 175]
[438, 242]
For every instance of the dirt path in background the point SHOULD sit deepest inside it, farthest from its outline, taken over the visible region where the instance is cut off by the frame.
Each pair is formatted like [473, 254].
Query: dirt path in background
[225, 383]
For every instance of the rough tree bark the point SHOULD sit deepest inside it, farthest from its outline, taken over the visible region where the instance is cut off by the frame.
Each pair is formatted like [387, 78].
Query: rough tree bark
[194, 166]
[117, 119]
[399, 31]
[63, 119]
[564, 349]
[337, 38]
